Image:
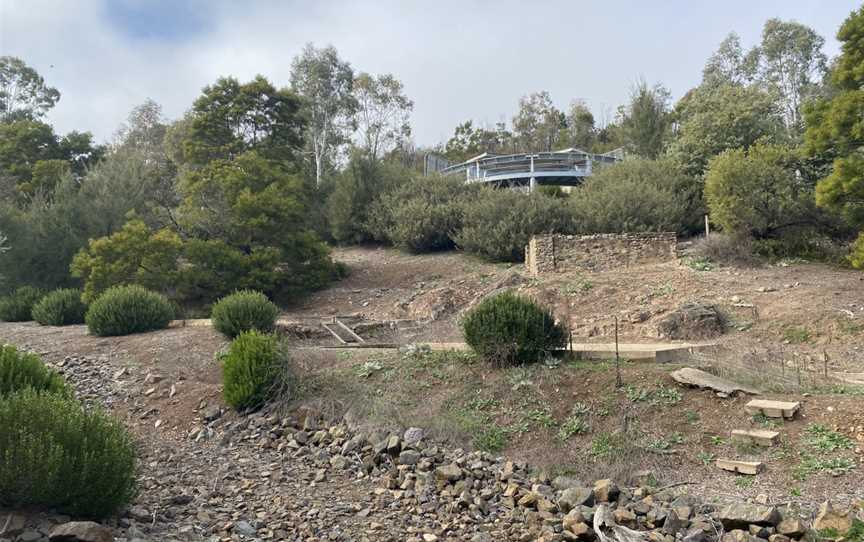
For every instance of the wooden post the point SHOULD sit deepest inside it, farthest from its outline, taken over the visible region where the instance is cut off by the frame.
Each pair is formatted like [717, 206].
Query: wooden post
[618, 382]
[707, 227]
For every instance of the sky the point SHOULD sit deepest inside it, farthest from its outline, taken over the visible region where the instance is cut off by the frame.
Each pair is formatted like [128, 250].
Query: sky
[458, 60]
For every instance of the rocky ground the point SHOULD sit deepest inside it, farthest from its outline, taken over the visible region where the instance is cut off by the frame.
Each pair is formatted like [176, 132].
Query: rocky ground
[295, 476]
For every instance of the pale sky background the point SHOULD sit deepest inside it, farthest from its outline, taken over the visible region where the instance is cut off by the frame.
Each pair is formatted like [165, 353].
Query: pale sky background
[458, 59]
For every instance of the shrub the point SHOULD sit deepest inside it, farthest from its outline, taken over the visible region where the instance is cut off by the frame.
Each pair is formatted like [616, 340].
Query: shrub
[639, 196]
[422, 215]
[507, 330]
[725, 249]
[122, 310]
[23, 370]
[856, 256]
[60, 308]
[244, 311]
[57, 454]
[498, 224]
[18, 306]
[252, 370]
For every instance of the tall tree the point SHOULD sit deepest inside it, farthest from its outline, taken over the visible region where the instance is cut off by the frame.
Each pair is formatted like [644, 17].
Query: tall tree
[230, 118]
[23, 92]
[580, 126]
[791, 66]
[729, 65]
[325, 81]
[538, 124]
[646, 121]
[383, 113]
[835, 128]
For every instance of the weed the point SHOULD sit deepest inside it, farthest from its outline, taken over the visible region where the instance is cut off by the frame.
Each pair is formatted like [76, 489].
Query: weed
[763, 420]
[667, 396]
[795, 492]
[664, 290]
[691, 416]
[667, 443]
[576, 287]
[368, 368]
[825, 440]
[699, 264]
[811, 465]
[718, 440]
[744, 482]
[841, 389]
[573, 425]
[608, 445]
[706, 458]
[856, 533]
[491, 440]
[636, 394]
[796, 334]
[541, 417]
[747, 448]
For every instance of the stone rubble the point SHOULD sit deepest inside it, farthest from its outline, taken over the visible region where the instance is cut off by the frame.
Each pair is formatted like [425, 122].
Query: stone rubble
[294, 476]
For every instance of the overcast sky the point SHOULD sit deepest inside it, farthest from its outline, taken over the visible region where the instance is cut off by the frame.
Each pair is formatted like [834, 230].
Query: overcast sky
[458, 59]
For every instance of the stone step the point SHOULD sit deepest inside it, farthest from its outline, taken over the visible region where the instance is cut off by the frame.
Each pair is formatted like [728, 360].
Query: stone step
[762, 437]
[741, 467]
[773, 409]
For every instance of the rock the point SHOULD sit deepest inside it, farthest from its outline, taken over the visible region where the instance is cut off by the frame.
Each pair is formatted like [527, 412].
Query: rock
[700, 379]
[792, 527]
[829, 518]
[139, 513]
[574, 498]
[692, 321]
[33, 536]
[212, 413]
[81, 531]
[566, 482]
[409, 457]
[451, 472]
[605, 491]
[673, 524]
[429, 537]
[245, 528]
[742, 515]
[737, 535]
[412, 436]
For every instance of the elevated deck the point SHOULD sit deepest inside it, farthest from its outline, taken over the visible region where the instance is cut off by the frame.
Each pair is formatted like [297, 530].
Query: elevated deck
[568, 167]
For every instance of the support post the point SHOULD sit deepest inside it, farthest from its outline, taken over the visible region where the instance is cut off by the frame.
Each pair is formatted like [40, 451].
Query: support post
[618, 382]
[707, 228]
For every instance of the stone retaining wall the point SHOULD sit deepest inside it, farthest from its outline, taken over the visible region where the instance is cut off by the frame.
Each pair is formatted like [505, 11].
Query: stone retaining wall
[552, 252]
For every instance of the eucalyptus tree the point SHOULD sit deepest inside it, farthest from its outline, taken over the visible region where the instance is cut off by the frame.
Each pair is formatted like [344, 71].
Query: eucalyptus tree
[383, 113]
[23, 92]
[326, 84]
[538, 125]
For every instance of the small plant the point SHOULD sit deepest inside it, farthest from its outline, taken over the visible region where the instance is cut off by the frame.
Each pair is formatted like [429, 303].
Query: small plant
[666, 443]
[244, 310]
[253, 370]
[491, 440]
[18, 306]
[636, 394]
[826, 440]
[796, 335]
[761, 419]
[509, 330]
[699, 264]
[607, 445]
[123, 310]
[691, 416]
[706, 458]
[56, 454]
[717, 440]
[667, 396]
[368, 368]
[573, 425]
[23, 370]
[811, 465]
[744, 482]
[60, 308]
[795, 492]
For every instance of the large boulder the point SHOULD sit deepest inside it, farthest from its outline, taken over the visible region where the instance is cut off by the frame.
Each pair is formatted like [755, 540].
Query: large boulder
[81, 531]
[829, 519]
[692, 321]
[575, 497]
[742, 515]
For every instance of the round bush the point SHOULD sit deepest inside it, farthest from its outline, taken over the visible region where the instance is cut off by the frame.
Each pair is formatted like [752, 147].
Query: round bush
[122, 310]
[18, 306]
[60, 308]
[508, 330]
[244, 311]
[253, 370]
[23, 370]
[57, 454]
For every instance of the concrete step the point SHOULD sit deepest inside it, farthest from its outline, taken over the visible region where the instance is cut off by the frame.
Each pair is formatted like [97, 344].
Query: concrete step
[741, 467]
[760, 437]
[773, 409]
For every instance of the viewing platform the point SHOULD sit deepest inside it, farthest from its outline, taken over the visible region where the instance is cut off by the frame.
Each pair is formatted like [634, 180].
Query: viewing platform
[567, 167]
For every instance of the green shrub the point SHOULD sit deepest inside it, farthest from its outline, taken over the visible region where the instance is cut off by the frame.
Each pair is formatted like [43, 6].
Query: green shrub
[507, 329]
[122, 310]
[253, 370]
[60, 308]
[18, 306]
[856, 255]
[498, 224]
[244, 311]
[639, 196]
[57, 454]
[23, 370]
[422, 215]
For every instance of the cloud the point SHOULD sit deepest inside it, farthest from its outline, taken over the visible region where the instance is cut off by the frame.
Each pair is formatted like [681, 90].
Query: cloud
[458, 59]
